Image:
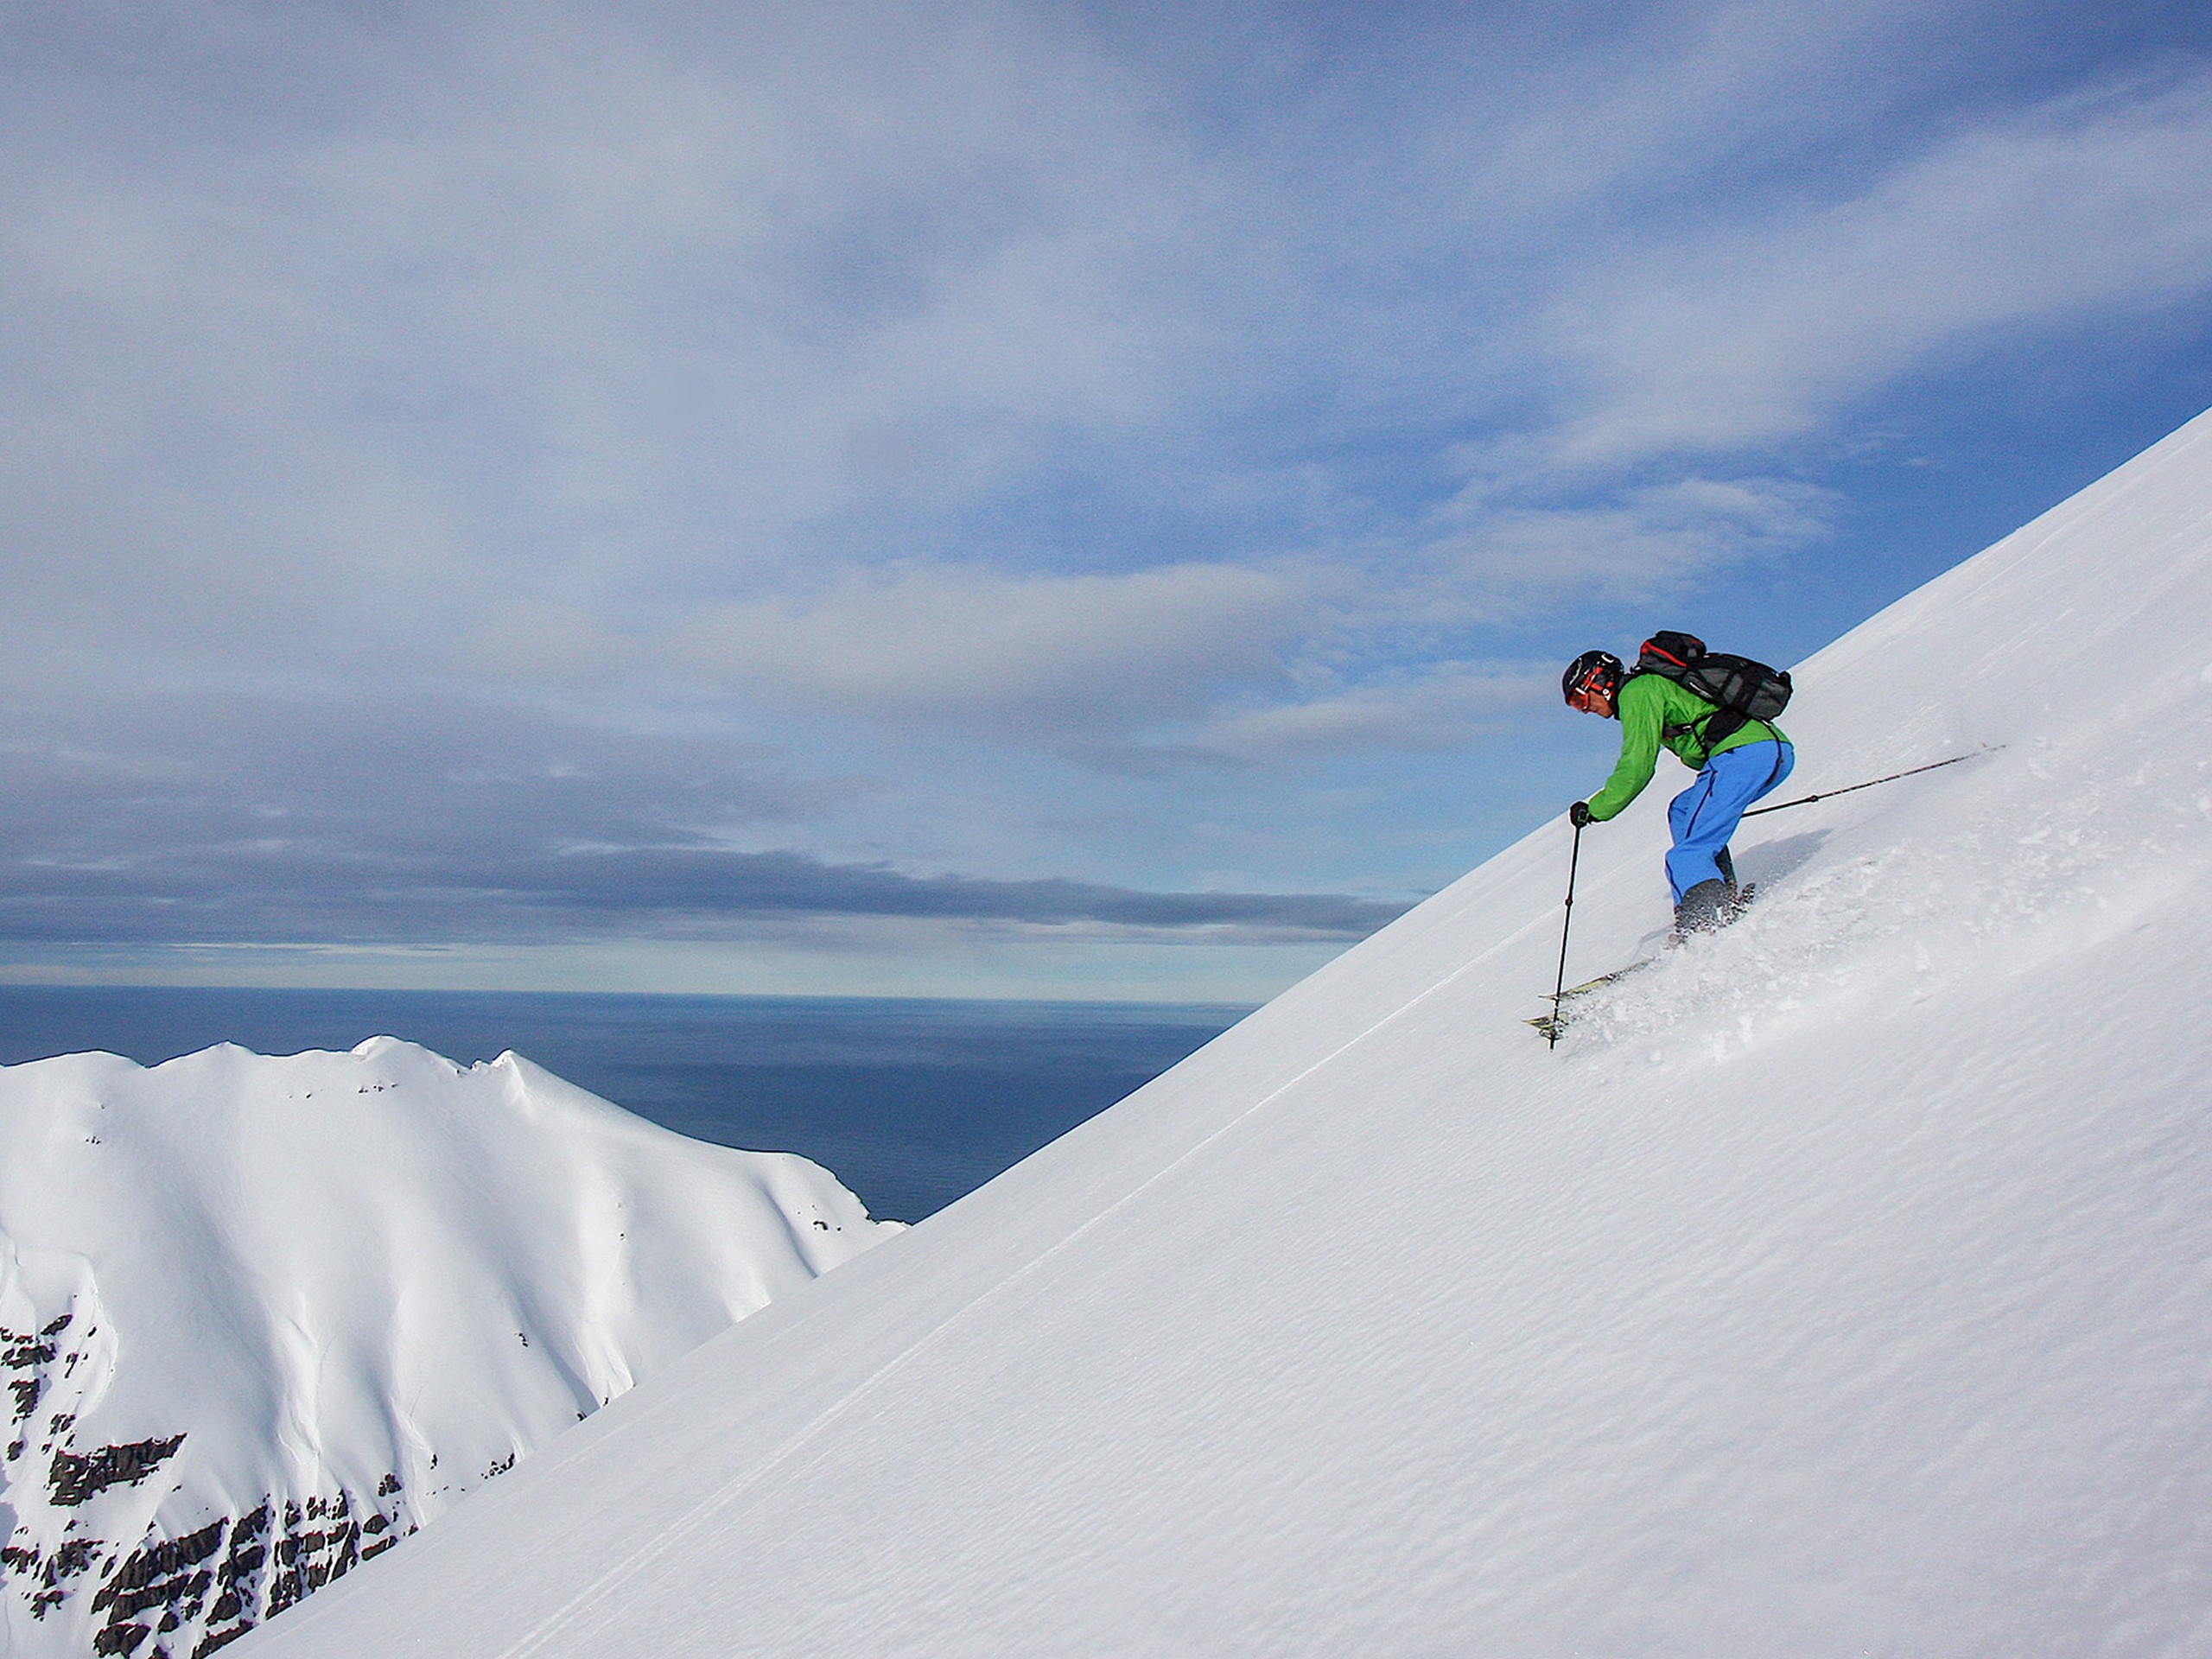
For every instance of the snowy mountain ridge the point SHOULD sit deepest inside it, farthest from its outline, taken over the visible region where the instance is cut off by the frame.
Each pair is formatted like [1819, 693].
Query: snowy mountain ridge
[1837, 1286]
[262, 1317]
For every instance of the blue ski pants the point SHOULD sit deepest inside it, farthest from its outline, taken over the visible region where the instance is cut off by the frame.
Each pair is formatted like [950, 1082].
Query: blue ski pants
[1704, 815]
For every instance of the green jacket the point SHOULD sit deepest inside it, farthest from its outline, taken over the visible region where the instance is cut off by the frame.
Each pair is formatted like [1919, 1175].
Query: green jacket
[1652, 709]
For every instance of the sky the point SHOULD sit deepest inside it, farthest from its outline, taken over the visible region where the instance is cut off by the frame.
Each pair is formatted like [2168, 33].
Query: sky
[986, 499]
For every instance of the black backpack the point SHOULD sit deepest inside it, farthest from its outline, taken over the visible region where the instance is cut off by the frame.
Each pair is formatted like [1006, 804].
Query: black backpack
[1738, 688]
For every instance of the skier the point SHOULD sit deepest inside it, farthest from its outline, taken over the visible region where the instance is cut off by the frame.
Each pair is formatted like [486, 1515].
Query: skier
[1733, 769]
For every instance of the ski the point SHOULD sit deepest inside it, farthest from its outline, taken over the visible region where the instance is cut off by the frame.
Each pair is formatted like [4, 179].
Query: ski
[1548, 1025]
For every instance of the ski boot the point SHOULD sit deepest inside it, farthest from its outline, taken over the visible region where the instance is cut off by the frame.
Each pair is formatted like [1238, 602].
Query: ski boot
[1705, 907]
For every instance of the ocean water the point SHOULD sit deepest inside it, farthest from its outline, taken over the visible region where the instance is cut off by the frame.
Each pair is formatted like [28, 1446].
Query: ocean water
[910, 1102]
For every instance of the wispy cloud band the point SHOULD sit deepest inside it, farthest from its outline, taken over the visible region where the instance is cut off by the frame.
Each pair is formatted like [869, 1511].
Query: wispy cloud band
[292, 825]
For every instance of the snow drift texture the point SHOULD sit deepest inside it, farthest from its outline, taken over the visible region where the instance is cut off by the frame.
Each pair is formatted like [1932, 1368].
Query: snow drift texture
[1840, 1285]
[260, 1318]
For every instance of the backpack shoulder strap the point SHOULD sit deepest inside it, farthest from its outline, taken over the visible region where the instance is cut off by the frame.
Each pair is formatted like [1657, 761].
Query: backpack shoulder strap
[1701, 724]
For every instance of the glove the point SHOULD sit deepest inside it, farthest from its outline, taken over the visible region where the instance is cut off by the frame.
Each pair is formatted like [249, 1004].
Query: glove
[1579, 814]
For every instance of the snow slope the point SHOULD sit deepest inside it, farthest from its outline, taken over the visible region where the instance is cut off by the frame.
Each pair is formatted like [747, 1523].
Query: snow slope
[262, 1317]
[1842, 1284]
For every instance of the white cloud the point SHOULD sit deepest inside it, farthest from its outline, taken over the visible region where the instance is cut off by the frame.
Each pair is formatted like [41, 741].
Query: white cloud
[620, 314]
[1449, 706]
[1067, 656]
[1507, 551]
[1655, 98]
[1739, 339]
[605, 312]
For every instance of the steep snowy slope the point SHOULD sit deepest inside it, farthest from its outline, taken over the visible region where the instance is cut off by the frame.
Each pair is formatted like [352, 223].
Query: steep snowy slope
[1842, 1284]
[260, 1318]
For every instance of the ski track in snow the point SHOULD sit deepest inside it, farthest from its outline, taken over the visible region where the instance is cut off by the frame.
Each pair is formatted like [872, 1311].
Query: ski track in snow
[671, 1540]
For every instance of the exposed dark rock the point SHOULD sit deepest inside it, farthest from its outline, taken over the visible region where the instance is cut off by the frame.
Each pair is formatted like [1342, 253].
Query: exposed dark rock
[171, 1594]
[75, 1480]
[71, 1557]
[154, 1560]
[22, 1353]
[192, 1590]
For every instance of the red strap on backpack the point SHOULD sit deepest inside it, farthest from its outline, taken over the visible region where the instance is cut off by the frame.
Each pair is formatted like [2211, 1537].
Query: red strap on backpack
[1677, 650]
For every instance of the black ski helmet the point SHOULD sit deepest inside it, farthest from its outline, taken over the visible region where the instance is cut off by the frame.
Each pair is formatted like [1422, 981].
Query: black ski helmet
[1594, 670]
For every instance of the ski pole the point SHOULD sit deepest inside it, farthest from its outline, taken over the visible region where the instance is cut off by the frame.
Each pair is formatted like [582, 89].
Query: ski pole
[1807, 800]
[1559, 986]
